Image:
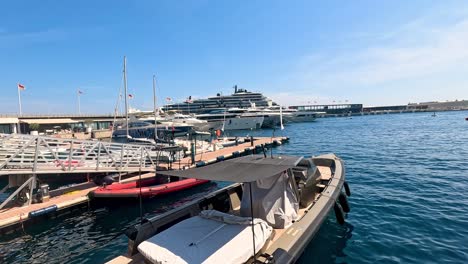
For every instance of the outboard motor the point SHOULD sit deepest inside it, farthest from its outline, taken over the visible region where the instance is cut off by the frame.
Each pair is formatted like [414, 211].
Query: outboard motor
[106, 180]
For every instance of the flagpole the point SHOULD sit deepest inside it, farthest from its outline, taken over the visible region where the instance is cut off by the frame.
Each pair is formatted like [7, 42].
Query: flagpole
[79, 103]
[19, 100]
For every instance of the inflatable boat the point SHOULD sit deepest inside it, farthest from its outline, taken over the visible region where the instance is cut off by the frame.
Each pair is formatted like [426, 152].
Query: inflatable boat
[149, 188]
[270, 213]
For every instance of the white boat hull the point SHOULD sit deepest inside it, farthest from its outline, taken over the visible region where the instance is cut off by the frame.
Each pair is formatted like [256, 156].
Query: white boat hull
[243, 122]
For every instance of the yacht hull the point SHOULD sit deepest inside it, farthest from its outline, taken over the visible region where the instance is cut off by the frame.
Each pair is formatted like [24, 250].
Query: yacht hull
[243, 122]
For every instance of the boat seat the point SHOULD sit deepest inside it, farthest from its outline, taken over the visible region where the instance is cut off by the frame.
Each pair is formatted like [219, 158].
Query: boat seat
[211, 237]
[308, 188]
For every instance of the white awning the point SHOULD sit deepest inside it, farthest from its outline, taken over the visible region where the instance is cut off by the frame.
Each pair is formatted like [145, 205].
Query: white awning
[49, 121]
[8, 120]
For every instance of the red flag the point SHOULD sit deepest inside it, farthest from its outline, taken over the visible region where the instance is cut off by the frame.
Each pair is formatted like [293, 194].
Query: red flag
[168, 99]
[21, 87]
[130, 96]
[80, 92]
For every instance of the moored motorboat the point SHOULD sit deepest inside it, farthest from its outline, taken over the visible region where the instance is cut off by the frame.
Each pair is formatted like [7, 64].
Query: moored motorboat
[149, 188]
[268, 216]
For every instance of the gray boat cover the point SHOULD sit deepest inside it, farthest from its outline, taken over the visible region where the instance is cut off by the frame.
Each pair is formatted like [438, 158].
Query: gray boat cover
[211, 237]
[273, 200]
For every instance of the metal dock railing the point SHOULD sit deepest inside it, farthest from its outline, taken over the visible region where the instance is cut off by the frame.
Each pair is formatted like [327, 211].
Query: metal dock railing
[31, 155]
[26, 154]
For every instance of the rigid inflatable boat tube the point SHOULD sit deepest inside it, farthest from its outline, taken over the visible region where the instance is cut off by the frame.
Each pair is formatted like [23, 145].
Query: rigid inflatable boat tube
[201, 164]
[344, 202]
[346, 187]
[339, 213]
[43, 211]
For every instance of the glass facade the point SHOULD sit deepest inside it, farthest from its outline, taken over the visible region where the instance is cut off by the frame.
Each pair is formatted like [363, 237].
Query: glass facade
[6, 128]
[331, 109]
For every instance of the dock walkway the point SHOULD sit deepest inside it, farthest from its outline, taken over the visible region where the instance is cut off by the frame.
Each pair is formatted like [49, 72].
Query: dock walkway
[228, 152]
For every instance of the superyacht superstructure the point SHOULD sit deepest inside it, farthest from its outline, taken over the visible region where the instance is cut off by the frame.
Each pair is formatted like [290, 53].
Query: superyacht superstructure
[241, 98]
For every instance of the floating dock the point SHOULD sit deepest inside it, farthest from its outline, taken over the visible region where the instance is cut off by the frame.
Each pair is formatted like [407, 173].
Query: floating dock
[14, 218]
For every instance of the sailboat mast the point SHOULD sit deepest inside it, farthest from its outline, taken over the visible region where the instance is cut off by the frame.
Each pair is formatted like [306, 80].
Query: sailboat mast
[155, 113]
[126, 95]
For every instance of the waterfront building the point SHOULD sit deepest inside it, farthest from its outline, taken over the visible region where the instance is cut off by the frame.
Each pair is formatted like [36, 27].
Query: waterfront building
[331, 108]
[8, 125]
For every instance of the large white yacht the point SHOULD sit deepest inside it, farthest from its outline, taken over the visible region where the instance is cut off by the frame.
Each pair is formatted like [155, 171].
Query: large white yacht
[293, 115]
[232, 120]
[176, 119]
[240, 98]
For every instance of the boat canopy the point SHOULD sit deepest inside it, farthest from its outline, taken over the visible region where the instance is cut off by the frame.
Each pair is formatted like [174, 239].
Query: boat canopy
[244, 169]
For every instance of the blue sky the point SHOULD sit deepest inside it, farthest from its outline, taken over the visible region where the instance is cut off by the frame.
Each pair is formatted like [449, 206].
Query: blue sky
[371, 52]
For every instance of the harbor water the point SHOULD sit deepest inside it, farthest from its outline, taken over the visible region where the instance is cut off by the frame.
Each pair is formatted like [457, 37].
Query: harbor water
[409, 180]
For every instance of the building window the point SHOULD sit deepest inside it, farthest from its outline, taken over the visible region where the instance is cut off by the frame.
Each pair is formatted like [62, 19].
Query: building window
[5, 128]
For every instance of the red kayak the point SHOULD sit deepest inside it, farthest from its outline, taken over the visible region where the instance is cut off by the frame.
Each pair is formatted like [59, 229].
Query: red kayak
[148, 189]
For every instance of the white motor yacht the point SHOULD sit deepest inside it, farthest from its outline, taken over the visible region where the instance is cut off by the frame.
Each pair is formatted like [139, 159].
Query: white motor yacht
[231, 120]
[293, 115]
[198, 124]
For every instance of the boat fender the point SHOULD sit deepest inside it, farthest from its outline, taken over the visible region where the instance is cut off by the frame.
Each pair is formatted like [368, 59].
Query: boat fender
[236, 154]
[247, 151]
[43, 211]
[339, 214]
[344, 202]
[201, 164]
[347, 189]
[220, 158]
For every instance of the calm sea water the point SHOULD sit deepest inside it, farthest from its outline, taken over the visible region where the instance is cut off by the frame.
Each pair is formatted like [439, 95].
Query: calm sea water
[409, 181]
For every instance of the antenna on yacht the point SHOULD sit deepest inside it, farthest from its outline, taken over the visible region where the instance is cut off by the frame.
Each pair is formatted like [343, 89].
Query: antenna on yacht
[155, 113]
[117, 109]
[224, 120]
[281, 117]
[126, 99]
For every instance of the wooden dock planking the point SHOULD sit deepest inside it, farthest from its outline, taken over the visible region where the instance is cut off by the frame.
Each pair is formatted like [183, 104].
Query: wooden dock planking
[15, 215]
